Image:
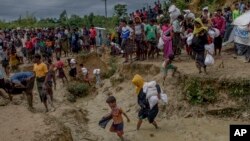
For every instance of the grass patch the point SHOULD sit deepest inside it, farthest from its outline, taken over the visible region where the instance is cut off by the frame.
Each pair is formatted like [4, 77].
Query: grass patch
[206, 90]
[78, 89]
[113, 68]
[237, 88]
[198, 92]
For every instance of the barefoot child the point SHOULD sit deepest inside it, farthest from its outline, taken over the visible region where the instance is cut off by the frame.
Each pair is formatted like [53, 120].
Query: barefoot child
[59, 67]
[167, 65]
[73, 69]
[48, 84]
[85, 74]
[97, 74]
[116, 113]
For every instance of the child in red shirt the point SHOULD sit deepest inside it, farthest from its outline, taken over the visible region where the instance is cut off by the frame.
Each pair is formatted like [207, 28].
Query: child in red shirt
[59, 67]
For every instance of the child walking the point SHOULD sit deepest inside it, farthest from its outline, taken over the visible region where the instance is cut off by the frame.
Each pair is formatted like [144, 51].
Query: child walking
[59, 67]
[97, 74]
[85, 74]
[167, 65]
[116, 114]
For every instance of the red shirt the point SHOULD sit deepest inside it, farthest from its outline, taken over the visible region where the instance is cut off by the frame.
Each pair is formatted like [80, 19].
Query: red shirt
[29, 44]
[219, 23]
[145, 14]
[59, 64]
[92, 33]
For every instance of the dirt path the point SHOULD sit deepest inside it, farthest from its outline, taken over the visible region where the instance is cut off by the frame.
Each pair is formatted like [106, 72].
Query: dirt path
[171, 128]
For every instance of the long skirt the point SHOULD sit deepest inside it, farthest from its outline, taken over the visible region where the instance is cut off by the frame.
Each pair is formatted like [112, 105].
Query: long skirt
[168, 50]
[200, 58]
[243, 50]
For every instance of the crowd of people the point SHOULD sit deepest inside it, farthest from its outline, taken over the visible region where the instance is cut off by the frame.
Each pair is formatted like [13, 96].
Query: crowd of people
[145, 35]
[44, 48]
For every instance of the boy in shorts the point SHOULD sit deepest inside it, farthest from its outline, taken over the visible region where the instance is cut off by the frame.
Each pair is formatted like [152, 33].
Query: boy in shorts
[116, 114]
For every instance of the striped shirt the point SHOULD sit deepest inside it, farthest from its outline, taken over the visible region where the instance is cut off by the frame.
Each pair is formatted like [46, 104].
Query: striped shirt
[126, 32]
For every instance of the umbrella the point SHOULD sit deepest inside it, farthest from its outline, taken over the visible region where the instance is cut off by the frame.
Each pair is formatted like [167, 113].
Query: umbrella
[243, 20]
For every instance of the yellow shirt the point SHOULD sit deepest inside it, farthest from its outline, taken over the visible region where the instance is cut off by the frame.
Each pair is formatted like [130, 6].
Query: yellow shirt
[40, 70]
[13, 60]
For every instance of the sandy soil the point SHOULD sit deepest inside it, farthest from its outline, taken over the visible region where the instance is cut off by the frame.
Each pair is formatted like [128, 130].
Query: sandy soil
[79, 121]
[172, 127]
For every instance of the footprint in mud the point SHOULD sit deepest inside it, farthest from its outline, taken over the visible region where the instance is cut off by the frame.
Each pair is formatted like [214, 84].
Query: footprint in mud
[152, 135]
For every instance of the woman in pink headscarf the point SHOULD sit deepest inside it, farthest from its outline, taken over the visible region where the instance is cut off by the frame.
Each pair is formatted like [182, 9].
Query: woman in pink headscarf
[167, 36]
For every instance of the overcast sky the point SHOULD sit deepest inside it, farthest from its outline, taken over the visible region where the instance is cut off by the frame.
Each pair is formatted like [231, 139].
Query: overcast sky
[12, 9]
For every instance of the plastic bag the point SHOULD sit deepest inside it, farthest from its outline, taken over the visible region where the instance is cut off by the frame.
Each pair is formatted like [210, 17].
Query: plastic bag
[210, 48]
[160, 43]
[150, 89]
[189, 39]
[209, 60]
[211, 33]
[171, 8]
[164, 98]
[153, 100]
[84, 71]
[217, 32]
[104, 121]
[96, 71]
[174, 12]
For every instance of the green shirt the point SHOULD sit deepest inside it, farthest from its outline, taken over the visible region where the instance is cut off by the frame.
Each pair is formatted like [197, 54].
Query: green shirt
[151, 32]
[236, 14]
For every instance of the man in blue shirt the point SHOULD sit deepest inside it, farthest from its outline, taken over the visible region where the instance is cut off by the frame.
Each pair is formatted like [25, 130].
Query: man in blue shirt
[23, 80]
[18, 79]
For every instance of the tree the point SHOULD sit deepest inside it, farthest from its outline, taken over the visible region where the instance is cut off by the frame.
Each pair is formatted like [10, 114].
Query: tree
[91, 18]
[63, 17]
[75, 20]
[120, 10]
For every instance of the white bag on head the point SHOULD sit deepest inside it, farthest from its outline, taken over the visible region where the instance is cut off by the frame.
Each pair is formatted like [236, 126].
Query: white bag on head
[84, 71]
[174, 12]
[209, 60]
[96, 71]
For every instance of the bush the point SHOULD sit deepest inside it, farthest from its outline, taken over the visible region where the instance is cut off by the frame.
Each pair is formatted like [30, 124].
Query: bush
[113, 68]
[78, 89]
[181, 4]
[238, 88]
[198, 93]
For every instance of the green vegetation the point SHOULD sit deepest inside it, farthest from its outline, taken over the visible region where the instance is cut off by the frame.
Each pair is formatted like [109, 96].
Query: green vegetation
[120, 10]
[181, 4]
[78, 89]
[239, 88]
[206, 90]
[63, 20]
[198, 93]
[113, 68]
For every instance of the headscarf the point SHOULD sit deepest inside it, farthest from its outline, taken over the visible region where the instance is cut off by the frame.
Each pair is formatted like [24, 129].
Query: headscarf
[138, 19]
[138, 82]
[198, 30]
